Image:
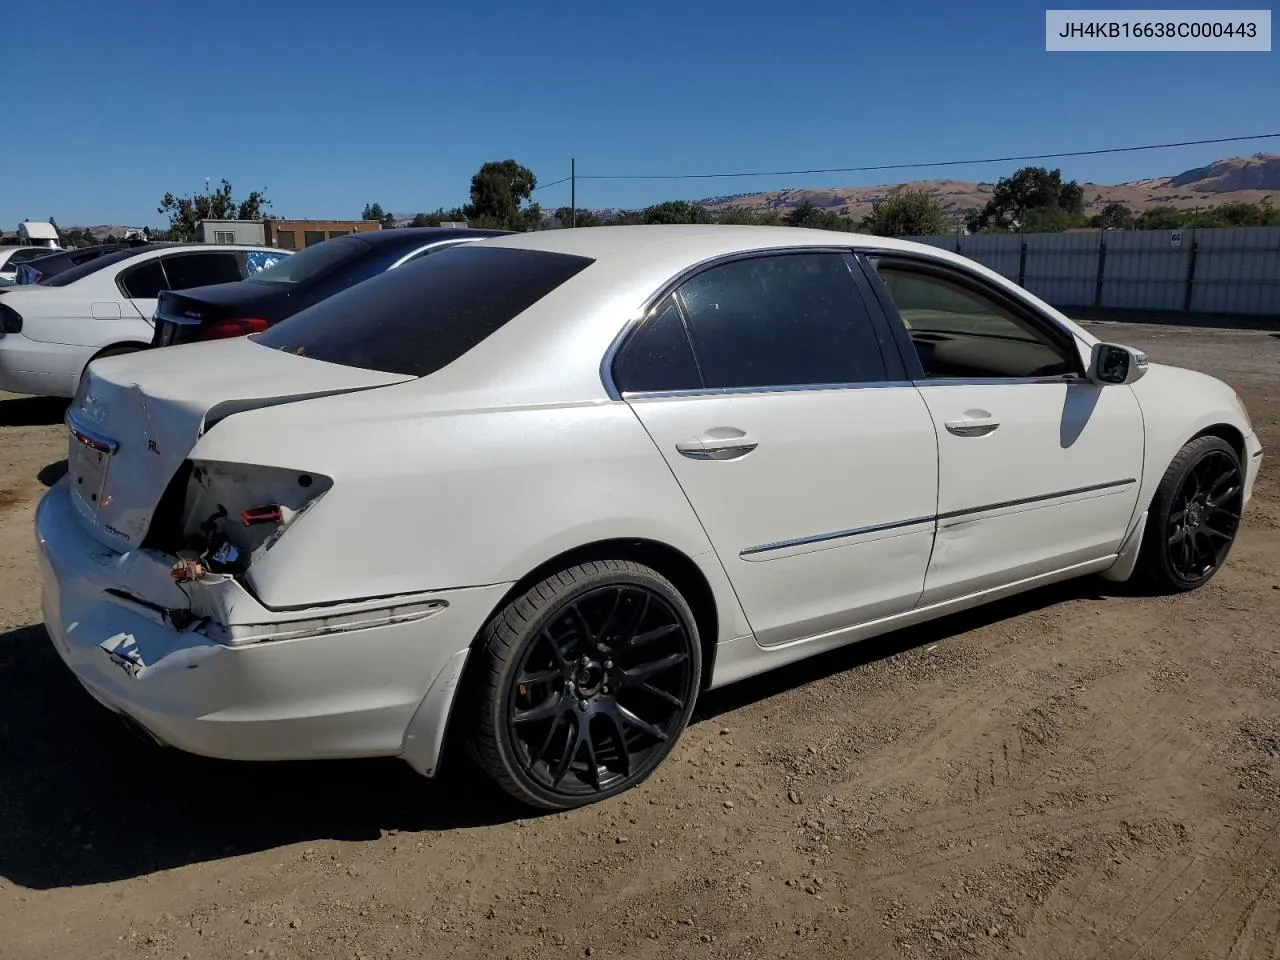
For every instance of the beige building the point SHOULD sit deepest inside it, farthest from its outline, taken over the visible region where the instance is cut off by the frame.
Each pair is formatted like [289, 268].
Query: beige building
[296, 234]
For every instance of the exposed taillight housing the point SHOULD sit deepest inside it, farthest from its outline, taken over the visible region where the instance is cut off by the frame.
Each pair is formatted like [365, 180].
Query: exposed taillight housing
[231, 327]
[10, 320]
[209, 505]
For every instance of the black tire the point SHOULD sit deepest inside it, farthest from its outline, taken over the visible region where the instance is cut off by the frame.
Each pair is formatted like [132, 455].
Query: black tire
[583, 684]
[1193, 518]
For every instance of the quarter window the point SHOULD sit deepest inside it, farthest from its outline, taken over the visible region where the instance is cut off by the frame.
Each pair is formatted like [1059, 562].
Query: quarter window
[145, 281]
[781, 320]
[658, 356]
[958, 331]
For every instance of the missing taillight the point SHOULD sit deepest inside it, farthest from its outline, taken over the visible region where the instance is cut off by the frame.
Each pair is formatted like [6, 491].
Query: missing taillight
[271, 513]
[224, 516]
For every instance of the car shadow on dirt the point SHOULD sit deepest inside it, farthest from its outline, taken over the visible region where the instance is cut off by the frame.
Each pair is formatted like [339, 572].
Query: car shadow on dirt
[32, 411]
[52, 473]
[84, 800]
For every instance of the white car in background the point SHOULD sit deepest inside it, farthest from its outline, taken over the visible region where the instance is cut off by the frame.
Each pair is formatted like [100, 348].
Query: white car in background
[51, 331]
[11, 257]
[544, 489]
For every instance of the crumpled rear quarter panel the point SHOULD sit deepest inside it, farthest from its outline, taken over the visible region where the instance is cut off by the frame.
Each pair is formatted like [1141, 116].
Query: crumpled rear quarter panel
[435, 500]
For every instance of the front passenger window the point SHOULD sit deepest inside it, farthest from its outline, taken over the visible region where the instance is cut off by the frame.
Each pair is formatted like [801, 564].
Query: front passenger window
[961, 333]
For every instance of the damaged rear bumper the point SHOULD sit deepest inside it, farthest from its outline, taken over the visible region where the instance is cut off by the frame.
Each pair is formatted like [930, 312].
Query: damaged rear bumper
[244, 682]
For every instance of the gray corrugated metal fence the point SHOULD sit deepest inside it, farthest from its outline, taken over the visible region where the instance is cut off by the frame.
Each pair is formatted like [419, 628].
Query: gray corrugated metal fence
[1229, 270]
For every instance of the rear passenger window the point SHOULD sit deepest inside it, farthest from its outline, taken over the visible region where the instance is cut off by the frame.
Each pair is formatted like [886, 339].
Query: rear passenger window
[658, 356]
[201, 269]
[779, 321]
[144, 281]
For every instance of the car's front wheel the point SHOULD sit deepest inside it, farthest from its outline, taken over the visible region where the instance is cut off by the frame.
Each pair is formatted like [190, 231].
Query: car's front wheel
[1194, 517]
[586, 681]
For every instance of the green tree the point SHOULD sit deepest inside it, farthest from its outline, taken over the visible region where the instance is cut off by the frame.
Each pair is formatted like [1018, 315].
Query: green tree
[1160, 218]
[422, 220]
[628, 218]
[566, 217]
[807, 215]
[753, 218]
[1234, 215]
[1114, 215]
[1029, 188]
[908, 213]
[374, 211]
[185, 212]
[1049, 220]
[497, 191]
[677, 211]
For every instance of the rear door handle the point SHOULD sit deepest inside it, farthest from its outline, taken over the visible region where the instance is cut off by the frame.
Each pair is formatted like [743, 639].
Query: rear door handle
[718, 443]
[972, 426]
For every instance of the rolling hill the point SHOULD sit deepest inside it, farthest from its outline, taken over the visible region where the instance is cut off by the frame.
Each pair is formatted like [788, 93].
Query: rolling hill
[1237, 179]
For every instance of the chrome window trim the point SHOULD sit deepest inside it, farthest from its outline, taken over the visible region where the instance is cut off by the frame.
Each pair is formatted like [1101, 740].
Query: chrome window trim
[450, 242]
[647, 306]
[999, 380]
[738, 391]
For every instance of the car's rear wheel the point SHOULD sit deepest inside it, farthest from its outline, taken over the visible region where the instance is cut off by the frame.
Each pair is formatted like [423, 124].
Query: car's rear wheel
[1194, 517]
[587, 680]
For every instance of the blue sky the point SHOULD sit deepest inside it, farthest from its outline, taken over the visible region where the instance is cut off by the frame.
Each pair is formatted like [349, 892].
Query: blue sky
[329, 105]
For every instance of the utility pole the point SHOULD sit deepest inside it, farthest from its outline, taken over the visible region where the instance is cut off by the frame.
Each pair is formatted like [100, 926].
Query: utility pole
[573, 192]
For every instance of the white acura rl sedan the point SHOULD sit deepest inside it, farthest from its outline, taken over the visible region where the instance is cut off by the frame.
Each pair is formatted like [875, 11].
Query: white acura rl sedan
[543, 490]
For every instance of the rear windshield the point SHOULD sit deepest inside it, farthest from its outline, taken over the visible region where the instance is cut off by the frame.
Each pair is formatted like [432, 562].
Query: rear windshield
[421, 317]
[72, 274]
[312, 261]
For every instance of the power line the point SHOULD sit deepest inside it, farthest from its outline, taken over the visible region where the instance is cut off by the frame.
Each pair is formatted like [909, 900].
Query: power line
[911, 166]
[553, 183]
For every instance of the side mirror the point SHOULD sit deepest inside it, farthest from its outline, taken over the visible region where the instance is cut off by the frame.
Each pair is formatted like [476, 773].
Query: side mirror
[1112, 363]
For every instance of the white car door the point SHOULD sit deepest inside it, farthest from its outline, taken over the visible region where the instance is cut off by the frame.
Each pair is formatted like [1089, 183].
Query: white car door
[1038, 467]
[765, 383]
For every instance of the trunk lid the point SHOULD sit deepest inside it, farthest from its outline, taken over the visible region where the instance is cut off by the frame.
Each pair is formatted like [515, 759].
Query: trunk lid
[180, 315]
[136, 417]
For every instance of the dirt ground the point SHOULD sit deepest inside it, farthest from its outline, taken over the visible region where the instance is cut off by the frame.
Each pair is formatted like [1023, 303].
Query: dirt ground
[1078, 772]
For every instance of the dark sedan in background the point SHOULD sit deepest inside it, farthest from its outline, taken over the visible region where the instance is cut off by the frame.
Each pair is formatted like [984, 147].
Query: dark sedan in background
[309, 276]
[40, 269]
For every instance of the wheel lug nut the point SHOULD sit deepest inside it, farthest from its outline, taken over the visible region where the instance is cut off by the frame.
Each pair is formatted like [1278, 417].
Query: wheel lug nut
[582, 705]
[604, 689]
[608, 664]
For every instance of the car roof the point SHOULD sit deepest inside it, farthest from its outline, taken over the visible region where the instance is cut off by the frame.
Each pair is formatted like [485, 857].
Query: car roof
[411, 235]
[697, 241]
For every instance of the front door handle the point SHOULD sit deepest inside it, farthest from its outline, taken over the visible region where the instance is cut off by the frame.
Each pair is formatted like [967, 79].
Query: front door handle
[718, 443]
[972, 426]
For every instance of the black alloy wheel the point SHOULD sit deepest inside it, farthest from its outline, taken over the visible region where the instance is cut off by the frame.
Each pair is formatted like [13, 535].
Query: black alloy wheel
[591, 678]
[1194, 517]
